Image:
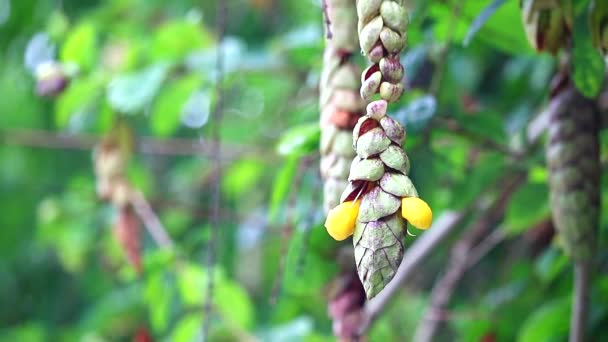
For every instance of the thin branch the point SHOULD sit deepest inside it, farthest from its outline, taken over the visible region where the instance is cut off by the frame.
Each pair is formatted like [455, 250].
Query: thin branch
[288, 228]
[84, 142]
[216, 152]
[461, 258]
[443, 54]
[326, 20]
[580, 300]
[150, 220]
[442, 227]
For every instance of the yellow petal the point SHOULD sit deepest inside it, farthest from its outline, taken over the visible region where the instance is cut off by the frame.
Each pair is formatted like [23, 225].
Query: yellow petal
[340, 222]
[416, 212]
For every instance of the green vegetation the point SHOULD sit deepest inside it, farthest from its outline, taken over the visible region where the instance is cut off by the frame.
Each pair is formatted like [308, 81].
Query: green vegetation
[143, 75]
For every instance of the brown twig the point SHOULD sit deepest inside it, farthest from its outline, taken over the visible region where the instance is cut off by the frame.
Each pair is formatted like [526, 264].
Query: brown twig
[288, 228]
[443, 54]
[326, 20]
[146, 145]
[442, 227]
[462, 256]
[580, 300]
[216, 153]
[150, 220]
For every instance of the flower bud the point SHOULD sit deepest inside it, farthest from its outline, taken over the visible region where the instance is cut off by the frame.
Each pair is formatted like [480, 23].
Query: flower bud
[391, 92]
[340, 222]
[372, 142]
[391, 69]
[370, 33]
[417, 212]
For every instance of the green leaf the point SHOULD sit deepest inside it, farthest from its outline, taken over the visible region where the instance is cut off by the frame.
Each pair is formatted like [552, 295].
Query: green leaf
[230, 299]
[587, 64]
[527, 207]
[550, 264]
[504, 31]
[130, 93]
[78, 97]
[300, 140]
[80, 46]
[242, 177]
[548, 322]
[158, 295]
[175, 39]
[167, 109]
[481, 19]
[282, 186]
[486, 172]
[188, 329]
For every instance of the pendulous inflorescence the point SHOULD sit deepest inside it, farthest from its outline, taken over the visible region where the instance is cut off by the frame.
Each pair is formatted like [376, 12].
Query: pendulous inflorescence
[340, 103]
[380, 198]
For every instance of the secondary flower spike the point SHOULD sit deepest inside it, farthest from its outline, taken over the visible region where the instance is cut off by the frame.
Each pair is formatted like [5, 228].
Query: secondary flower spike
[339, 99]
[386, 199]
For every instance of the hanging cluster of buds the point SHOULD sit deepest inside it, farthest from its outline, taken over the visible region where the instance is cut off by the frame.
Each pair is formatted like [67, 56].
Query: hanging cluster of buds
[574, 174]
[598, 19]
[380, 199]
[340, 103]
[382, 34]
[548, 23]
[110, 158]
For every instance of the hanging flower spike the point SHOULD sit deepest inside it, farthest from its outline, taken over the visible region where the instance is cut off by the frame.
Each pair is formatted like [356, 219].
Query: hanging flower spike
[340, 222]
[598, 19]
[547, 23]
[417, 212]
[574, 176]
[339, 100]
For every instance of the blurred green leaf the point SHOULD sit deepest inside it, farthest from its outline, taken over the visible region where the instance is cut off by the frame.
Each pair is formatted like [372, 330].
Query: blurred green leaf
[80, 46]
[188, 329]
[550, 264]
[503, 31]
[242, 177]
[300, 140]
[481, 19]
[175, 39]
[167, 109]
[282, 186]
[131, 93]
[587, 64]
[80, 96]
[527, 207]
[548, 322]
[158, 295]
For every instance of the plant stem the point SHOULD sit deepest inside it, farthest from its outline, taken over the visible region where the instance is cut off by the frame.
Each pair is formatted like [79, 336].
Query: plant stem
[580, 300]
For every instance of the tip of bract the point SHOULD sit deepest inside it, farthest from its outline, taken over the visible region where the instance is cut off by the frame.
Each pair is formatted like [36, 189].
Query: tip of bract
[340, 222]
[417, 212]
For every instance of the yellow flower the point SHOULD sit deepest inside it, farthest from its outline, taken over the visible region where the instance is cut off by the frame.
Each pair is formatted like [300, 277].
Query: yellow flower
[340, 222]
[416, 212]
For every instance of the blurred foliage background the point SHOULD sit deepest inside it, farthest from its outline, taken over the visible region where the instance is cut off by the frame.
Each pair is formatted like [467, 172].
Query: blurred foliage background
[468, 105]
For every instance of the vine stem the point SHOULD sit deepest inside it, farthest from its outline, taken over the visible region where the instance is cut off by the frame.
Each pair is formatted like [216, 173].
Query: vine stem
[327, 22]
[580, 300]
[151, 222]
[288, 229]
[216, 152]
[464, 254]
